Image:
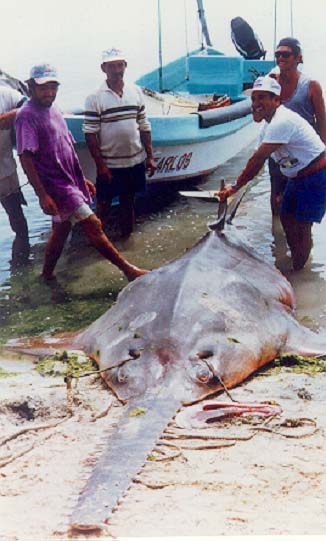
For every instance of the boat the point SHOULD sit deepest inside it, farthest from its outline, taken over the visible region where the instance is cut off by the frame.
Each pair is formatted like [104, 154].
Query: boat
[197, 105]
[191, 134]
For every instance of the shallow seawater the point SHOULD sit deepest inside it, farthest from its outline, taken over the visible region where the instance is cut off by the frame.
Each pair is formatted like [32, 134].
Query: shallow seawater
[87, 285]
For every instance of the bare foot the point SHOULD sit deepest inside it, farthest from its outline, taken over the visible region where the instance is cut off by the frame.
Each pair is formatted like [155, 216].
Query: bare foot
[134, 272]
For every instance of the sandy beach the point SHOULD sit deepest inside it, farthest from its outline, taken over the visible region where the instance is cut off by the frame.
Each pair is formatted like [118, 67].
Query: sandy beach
[240, 477]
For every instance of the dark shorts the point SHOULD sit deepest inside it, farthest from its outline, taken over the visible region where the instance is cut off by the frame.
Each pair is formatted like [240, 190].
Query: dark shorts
[278, 180]
[305, 197]
[126, 180]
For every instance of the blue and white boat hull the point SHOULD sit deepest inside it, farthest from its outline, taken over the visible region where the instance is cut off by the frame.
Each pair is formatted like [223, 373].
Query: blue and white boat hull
[182, 150]
[188, 143]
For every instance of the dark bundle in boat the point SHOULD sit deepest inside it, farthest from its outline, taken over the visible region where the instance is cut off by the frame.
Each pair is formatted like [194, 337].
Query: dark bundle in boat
[246, 42]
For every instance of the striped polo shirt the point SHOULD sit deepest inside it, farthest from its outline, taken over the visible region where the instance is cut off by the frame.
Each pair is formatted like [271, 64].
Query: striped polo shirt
[117, 121]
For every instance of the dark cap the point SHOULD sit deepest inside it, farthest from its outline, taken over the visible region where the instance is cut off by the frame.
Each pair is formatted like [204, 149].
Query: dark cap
[293, 43]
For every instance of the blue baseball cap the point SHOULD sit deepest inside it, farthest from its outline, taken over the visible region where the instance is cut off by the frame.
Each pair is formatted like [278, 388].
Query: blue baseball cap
[44, 73]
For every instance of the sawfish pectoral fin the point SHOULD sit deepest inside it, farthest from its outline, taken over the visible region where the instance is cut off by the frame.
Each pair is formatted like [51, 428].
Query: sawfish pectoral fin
[303, 341]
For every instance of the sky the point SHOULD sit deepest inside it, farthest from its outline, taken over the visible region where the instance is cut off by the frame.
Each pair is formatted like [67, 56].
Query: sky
[71, 34]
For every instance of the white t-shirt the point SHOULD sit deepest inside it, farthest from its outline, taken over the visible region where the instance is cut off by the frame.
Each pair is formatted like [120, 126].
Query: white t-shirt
[300, 143]
[118, 120]
[9, 98]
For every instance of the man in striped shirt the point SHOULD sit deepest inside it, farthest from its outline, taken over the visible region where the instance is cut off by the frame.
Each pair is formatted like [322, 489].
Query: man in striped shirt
[118, 136]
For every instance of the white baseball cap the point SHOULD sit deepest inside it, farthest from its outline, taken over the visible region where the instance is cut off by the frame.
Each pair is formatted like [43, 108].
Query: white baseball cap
[266, 84]
[113, 55]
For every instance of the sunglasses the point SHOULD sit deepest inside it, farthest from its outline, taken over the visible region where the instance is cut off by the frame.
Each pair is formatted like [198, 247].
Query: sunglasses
[283, 54]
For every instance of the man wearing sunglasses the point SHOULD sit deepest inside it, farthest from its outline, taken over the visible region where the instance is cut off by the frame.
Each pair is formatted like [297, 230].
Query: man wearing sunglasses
[300, 153]
[300, 94]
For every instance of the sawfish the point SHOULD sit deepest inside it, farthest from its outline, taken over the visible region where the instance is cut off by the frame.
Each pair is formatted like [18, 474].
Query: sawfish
[198, 325]
[176, 335]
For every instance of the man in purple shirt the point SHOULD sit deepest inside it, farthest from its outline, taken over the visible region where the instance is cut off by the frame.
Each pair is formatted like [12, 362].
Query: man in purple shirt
[47, 155]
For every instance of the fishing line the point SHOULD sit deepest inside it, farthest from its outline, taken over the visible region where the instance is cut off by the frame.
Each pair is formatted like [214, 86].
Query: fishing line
[14, 191]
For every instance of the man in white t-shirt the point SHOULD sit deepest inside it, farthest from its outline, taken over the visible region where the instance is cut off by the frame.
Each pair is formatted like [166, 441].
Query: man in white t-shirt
[300, 153]
[11, 197]
[118, 136]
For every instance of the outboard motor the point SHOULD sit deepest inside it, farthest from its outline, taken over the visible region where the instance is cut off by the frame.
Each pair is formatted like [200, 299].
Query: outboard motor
[246, 42]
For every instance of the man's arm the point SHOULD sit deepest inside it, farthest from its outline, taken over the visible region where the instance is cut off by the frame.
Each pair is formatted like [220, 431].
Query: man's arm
[7, 119]
[318, 102]
[46, 202]
[254, 165]
[91, 128]
[145, 134]
[94, 148]
[146, 139]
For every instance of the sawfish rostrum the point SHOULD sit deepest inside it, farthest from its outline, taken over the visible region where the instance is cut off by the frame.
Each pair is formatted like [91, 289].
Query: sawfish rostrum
[211, 317]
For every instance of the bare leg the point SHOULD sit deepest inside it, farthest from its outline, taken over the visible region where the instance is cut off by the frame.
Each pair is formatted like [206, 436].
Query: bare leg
[18, 223]
[299, 239]
[127, 214]
[278, 184]
[276, 201]
[54, 247]
[94, 231]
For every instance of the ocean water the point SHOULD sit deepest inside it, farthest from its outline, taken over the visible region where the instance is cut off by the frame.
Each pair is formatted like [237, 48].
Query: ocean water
[86, 284]
[38, 224]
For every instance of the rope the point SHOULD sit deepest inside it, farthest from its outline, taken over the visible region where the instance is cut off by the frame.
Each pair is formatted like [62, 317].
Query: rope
[291, 17]
[14, 191]
[226, 390]
[275, 23]
[186, 38]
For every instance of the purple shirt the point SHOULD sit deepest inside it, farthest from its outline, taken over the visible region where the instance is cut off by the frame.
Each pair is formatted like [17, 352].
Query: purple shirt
[43, 132]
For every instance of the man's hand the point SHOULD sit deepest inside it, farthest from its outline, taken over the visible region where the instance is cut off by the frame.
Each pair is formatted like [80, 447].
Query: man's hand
[7, 119]
[48, 205]
[150, 166]
[91, 187]
[105, 174]
[226, 192]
